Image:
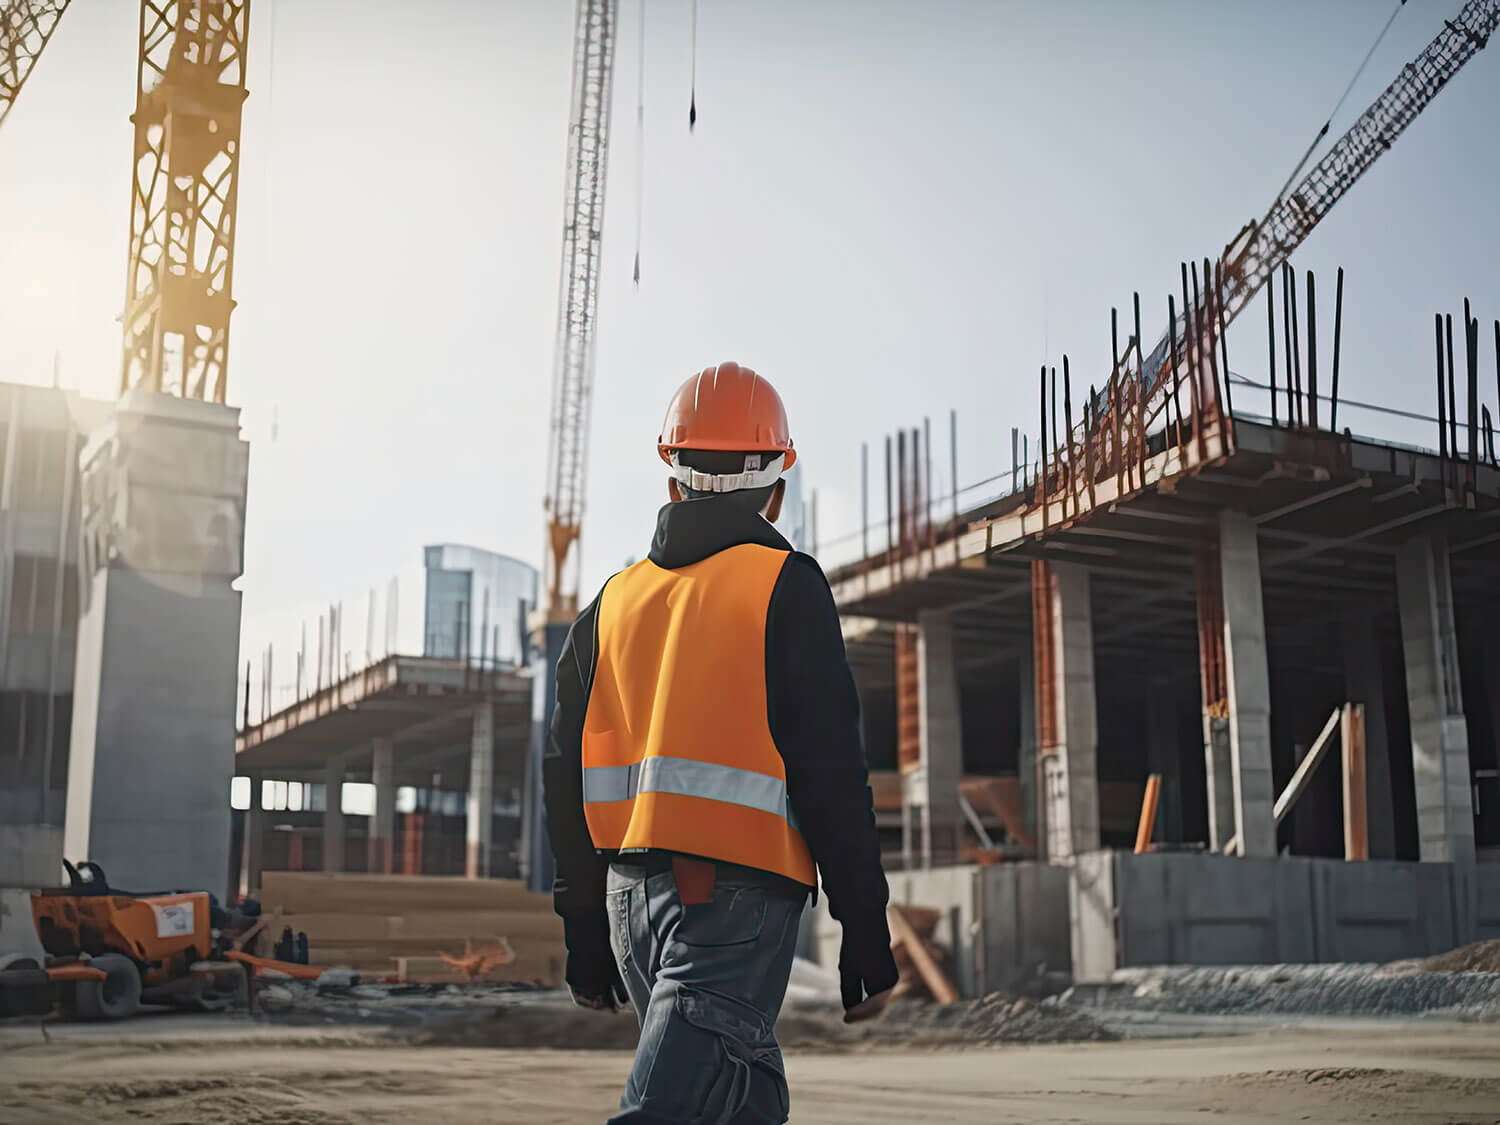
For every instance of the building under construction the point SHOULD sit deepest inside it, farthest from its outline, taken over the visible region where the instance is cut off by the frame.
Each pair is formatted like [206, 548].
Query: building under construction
[1130, 667]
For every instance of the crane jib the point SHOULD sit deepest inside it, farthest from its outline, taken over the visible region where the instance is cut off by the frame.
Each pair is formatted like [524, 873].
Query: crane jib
[1252, 258]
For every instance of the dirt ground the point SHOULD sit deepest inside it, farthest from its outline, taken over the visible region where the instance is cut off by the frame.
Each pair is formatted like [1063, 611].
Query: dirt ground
[1406, 1073]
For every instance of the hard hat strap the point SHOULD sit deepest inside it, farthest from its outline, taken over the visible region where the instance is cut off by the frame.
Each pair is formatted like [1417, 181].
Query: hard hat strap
[755, 475]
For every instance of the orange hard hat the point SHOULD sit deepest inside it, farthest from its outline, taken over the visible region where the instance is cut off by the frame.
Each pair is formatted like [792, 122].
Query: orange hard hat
[728, 408]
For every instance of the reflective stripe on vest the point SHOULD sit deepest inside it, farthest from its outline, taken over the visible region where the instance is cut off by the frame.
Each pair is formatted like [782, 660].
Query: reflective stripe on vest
[689, 778]
[677, 749]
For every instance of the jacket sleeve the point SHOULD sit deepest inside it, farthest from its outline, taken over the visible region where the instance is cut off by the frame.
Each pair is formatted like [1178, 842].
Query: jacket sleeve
[814, 714]
[578, 887]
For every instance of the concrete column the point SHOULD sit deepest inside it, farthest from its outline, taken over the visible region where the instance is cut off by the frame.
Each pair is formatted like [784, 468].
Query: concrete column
[1164, 756]
[1220, 775]
[942, 765]
[1439, 737]
[333, 814]
[1070, 769]
[1249, 681]
[1026, 757]
[1363, 683]
[378, 857]
[252, 841]
[151, 752]
[481, 798]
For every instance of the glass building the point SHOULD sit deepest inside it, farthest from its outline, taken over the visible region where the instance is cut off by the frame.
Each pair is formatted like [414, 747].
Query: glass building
[476, 604]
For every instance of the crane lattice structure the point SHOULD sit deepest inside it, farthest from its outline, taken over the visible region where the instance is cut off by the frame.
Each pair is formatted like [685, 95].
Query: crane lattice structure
[583, 223]
[190, 91]
[25, 27]
[1260, 249]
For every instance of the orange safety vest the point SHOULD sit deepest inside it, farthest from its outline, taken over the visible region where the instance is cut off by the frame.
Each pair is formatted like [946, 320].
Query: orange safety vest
[677, 747]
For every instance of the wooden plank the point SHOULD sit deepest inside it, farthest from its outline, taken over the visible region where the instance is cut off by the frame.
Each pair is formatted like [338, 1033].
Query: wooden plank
[1356, 833]
[1147, 825]
[942, 990]
[1305, 768]
[1300, 779]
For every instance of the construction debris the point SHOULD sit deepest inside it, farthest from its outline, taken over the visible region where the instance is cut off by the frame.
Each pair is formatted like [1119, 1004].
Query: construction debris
[917, 956]
[1480, 957]
[412, 927]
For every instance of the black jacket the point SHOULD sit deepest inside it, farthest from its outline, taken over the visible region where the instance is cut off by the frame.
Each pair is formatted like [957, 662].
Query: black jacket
[813, 710]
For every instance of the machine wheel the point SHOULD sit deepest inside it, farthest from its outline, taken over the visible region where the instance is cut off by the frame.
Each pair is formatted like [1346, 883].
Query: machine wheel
[116, 997]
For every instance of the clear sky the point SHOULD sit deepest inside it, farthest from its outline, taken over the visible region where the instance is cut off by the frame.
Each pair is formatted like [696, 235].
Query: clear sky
[889, 208]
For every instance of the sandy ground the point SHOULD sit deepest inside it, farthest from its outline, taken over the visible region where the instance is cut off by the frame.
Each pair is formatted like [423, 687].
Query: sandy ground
[182, 1072]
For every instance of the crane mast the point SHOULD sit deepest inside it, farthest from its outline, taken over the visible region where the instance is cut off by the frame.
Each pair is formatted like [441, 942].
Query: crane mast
[1253, 256]
[573, 369]
[184, 190]
[25, 27]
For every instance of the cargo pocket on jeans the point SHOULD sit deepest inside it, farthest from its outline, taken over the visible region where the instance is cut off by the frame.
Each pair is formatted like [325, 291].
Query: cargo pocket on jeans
[617, 907]
[745, 1040]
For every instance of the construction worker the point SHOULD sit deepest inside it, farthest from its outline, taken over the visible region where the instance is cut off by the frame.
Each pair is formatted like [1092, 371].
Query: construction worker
[705, 767]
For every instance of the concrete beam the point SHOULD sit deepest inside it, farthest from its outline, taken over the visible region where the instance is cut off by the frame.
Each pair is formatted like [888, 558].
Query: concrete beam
[1439, 735]
[479, 831]
[1249, 681]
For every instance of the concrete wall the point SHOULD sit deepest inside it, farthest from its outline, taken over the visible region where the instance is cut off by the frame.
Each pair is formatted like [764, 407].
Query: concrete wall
[1487, 901]
[153, 731]
[1005, 924]
[1213, 910]
[18, 926]
[31, 855]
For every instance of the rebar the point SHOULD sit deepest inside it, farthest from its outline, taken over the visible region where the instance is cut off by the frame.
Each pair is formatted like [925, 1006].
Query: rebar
[1338, 335]
[1271, 341]
[1312, 352]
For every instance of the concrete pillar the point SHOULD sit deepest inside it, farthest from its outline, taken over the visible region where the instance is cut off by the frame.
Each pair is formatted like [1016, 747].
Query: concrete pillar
[333, 814]
[1070, 772]
[1249, 682]
[1026, 765]
[1164, 756]
[151, 752]
[1363, 683]
[932, 788]
[1219, 771]
[378, 856]
[481, 799]
[252, 841]
[1439, 736]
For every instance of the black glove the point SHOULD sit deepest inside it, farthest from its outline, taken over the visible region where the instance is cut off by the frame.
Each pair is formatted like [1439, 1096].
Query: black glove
[866, 964]
[594, 980]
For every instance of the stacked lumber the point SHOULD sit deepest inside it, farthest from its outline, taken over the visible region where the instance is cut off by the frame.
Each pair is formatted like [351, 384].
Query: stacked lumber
[408, 924]
[919, 959]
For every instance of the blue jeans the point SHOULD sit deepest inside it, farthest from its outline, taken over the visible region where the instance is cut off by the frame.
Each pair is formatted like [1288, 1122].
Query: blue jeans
[706, 981]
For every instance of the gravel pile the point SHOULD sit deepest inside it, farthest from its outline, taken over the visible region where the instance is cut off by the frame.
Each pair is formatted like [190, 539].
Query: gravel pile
[1321, 990]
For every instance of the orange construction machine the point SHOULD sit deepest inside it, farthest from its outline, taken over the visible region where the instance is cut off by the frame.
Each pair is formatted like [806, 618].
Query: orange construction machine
[107, 950]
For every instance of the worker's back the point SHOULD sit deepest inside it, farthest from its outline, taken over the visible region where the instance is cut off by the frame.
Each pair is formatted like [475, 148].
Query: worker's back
[677, 746]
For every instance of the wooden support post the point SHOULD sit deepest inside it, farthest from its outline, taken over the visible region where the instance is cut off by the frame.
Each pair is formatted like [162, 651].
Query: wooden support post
[1302, 777]
[1147, 825]
[1356, 832]
[901, 931]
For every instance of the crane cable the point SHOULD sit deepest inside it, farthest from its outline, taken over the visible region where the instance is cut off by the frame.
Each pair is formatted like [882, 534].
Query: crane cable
[1328, 122]
[693, 86]
[640, 141]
